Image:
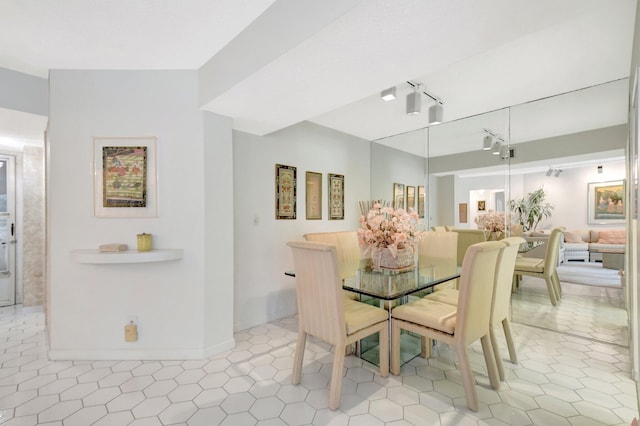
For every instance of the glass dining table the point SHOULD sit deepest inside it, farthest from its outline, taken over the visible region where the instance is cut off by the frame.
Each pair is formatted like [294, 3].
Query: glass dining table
[388, 288]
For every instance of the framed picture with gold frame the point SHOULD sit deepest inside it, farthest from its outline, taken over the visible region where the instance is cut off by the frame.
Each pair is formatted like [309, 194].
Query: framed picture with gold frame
[411, 197]
[313, 195]
[124, 177]
[285, 192]
[482, 205]
[398, 196]
[336, 197]
[421, 201]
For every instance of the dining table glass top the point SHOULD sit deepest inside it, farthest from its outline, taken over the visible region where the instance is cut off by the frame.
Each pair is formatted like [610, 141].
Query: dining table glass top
[391, 284]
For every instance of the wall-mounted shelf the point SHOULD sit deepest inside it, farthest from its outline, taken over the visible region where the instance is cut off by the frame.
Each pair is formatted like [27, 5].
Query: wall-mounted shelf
[128, 256]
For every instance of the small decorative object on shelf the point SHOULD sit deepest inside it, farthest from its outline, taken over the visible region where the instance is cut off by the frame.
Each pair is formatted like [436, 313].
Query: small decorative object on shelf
[113, 247]
[388, 234]
[144, 242]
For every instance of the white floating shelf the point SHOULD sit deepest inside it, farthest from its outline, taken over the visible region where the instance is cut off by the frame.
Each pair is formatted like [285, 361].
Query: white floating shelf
[128, 256]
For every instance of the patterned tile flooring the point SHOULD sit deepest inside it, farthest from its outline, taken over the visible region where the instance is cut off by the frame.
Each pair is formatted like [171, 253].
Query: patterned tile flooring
[561, 379]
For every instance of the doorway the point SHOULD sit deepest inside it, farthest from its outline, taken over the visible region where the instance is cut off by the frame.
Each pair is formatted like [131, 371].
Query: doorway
[7, 230]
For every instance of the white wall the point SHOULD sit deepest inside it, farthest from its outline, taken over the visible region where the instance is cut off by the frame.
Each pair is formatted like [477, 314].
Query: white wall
[262, 292]
[88, 304]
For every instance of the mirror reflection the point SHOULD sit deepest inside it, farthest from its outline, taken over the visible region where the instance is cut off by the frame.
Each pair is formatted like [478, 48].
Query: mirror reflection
[577, 172]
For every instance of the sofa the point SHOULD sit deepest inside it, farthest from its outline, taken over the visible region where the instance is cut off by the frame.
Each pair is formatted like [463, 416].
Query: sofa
[582, 245]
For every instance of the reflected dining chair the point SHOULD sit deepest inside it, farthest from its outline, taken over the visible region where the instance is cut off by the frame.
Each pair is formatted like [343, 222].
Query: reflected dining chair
[456, 325]
[500, 303]
[437, 256]
[325, 314]
[544, 268]
[467, 237]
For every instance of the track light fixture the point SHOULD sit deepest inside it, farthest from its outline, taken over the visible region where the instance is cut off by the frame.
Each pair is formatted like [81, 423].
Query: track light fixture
[414, 101]
[486, 144]
[558, 172]
[388, 94]
[549, 172]
[600, 169]
[435, 113]
[496, 148]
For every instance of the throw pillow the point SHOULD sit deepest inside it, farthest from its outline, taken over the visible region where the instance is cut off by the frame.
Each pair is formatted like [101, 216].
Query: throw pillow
[572, 237]
[613, 236]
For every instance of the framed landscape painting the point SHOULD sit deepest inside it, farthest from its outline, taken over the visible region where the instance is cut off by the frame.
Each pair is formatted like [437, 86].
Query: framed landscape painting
[124, 176]
[606, 202]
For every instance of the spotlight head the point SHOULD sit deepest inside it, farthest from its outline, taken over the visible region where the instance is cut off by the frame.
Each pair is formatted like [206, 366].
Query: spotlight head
[504, 152]
[414, 103]
[599, 169]
[496, 148]
[486, 144]
[558, 173]
[388, 94]
[549, 172]
[435, 113]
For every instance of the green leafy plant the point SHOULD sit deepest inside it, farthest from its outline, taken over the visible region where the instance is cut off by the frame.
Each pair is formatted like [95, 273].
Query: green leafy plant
[531, 209]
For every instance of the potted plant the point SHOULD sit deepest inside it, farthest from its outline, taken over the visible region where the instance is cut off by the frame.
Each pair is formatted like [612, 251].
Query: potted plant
[531, 209]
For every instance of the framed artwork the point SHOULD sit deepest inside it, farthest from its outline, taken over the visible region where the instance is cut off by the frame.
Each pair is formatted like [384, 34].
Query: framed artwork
[313, 195]
[606, 202]
[398, 196]
[462, 212]
[421, 201]
[481, 205]
[124, 177]
[285, 192]
[411, 197]
[336, 197]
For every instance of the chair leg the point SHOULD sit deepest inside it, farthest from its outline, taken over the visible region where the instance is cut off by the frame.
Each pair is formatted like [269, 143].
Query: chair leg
[490, 360]
[496, 353]
[384, 351]
[552, 290]
[425, 347]
[556, 279]
[506, 325]
[298, 357]
[468, 382]
[336, 378]
[395, 348]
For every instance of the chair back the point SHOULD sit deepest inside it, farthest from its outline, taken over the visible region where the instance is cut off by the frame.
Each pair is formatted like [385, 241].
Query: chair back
[437, 253]
[476, 291]
[551, 255]
[438, 228]
[347, 249]
[467, 237]
[504, 279]
[319, 291]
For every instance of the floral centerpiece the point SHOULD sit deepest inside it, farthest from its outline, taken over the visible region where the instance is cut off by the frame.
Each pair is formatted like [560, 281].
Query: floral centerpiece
[492, 222]
[389, 234]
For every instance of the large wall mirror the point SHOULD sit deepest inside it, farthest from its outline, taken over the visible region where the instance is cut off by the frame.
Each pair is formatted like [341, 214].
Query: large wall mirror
[564, 144]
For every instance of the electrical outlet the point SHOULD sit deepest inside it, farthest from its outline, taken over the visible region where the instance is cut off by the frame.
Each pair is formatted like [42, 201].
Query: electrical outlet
[132, 320]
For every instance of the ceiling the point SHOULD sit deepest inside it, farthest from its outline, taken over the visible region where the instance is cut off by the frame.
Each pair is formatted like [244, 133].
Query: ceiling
[271, 64]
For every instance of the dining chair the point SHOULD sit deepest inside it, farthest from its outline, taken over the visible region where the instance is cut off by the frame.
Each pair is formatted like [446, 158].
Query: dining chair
[437, 256]
[456, 325]
[544, 268]
[439, 229]
[467, 237]
[501, 301]
[325, 314]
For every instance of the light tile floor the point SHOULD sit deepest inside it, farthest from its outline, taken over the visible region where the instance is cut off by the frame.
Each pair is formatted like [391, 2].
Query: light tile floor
[561, 379]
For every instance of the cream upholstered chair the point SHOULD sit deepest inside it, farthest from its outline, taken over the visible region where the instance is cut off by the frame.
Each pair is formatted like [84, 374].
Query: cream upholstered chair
[501, 300]
[437, 256]
[460, 325]
[324, 313]
[467, 237]
[347, 249]
[544, 268]
[439, 229]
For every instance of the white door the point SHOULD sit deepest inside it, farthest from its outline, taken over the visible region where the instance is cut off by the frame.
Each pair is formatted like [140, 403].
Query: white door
[7, 231]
